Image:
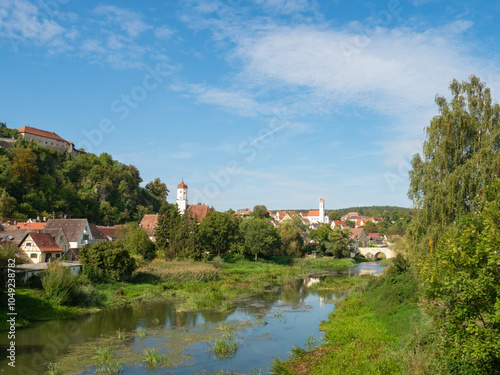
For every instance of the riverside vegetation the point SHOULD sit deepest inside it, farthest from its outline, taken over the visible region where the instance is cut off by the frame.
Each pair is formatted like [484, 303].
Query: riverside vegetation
[436, 311]
[193, 285]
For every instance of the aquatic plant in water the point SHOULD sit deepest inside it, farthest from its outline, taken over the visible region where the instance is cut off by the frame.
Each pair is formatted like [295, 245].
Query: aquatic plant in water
[153, 358]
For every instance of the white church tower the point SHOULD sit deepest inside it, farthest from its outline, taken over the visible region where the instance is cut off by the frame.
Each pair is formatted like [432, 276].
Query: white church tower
[321, 210]
[182, 200]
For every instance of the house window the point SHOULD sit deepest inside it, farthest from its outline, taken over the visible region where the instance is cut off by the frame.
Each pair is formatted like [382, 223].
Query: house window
[58, 255]
[34, 256]
[28, 243]
[85, 237]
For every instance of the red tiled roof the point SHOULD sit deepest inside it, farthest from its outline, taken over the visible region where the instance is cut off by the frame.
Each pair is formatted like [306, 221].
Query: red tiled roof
[108, 231]
[182, 185]
[148, 222]
[44, 242]
[340, 222]
[199, 211]
[41, 133]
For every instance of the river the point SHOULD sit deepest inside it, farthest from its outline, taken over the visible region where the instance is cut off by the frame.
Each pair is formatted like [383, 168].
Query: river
[265, 326]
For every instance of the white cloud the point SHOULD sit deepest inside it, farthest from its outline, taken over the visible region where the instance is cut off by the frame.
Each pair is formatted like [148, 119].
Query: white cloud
[129, 21]
[21, 20]
[163, 32]
[284, 6]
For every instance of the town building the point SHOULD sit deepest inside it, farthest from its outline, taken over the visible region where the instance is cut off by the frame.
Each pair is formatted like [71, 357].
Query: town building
[197, 211]
[40, 247]
[317, 216]
[48, 139]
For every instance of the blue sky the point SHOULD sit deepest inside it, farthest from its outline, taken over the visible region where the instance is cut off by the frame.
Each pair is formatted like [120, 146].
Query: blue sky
[274, 102]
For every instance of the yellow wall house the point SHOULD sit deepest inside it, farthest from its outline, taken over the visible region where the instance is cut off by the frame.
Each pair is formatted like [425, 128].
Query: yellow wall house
[40, 247]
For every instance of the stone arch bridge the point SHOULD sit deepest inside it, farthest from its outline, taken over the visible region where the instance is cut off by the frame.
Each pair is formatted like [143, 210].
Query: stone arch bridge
[373, 252]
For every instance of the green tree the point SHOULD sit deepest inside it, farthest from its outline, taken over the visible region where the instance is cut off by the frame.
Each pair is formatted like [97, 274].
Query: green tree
[333, 215]
[7, 253]
[168, 219]
[291, 238]
[25, 165]
[350, 223]
[259, 237]
[218, 231]
[158, 189]
[7, 204]
[454, 234]
[460, 155]
[5, 132]
[340, 244]
[184, 242]
[260, 212]
[462, 280]
[135, 240]
[110, 257]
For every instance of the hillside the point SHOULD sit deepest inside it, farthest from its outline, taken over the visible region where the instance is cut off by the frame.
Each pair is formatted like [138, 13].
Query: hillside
[36, 181]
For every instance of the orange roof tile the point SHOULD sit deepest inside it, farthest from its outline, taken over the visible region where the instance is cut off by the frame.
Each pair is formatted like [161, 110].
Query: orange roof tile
[182, 185]
[28, 225]
[41, 133]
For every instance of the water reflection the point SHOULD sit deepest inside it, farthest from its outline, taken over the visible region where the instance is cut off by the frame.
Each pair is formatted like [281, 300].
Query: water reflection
[291, 311]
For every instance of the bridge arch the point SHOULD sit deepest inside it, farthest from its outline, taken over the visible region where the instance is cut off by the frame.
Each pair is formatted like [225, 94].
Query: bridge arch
[373, 252]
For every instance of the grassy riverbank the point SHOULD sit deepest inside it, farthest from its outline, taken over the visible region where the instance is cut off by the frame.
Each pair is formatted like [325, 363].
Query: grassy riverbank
[377, 329]
[194, 285]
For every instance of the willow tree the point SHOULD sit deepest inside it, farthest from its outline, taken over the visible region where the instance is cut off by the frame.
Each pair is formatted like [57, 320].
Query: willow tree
[460, 156]
[455, 233]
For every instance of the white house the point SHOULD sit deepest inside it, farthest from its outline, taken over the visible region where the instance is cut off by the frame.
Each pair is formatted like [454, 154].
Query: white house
[78, 231]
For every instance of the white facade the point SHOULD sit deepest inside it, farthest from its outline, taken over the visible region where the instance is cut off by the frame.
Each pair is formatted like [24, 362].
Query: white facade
[181, 200]
[322, 211]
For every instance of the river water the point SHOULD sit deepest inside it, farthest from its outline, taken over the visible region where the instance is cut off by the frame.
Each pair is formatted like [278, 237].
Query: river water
[265, 326]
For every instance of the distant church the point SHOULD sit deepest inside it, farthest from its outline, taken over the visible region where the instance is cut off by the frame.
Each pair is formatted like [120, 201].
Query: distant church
[198, 211]
[317, 216]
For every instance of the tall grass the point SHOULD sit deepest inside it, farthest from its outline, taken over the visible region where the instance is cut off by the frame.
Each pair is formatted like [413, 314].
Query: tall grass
[154, 359]
[224, 347]
[141, 332]
[180, 272]
[106, 361]
[54, 369]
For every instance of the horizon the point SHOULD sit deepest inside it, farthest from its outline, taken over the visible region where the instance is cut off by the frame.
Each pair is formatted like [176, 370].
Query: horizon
[273, 103]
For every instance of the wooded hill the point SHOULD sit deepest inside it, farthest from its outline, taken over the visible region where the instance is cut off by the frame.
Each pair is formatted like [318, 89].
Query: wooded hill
[39, 182]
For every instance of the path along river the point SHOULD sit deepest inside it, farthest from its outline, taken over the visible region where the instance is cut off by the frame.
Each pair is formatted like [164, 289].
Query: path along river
[265, 326]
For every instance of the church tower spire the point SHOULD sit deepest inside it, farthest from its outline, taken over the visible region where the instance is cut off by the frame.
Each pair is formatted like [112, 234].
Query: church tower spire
[181, 200]
[321, 210]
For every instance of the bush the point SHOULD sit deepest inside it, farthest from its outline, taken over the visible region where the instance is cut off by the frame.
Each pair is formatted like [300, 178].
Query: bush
[114, 261]
[59, 283]
[218, 262]
[93, 273]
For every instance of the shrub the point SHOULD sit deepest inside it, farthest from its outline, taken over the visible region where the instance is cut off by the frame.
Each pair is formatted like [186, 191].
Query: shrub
[114, 261]
[218, 262]
[93, 273]
[59, 283]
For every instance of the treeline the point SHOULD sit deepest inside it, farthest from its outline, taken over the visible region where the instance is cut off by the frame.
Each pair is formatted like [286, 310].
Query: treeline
[453, 241]
[180, 236]
[39, 182]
